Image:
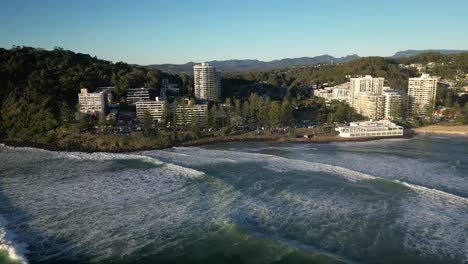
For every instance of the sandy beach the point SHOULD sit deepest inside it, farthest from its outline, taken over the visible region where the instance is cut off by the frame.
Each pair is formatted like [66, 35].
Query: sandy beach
[434, 129]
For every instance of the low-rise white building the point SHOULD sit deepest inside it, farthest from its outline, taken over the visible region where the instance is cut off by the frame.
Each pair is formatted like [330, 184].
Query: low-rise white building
[90, 103]
[382, 128]
[186, 112]
[155, 108]
[339, 92]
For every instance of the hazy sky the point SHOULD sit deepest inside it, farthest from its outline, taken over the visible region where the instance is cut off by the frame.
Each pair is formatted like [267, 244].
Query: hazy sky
[178, 31]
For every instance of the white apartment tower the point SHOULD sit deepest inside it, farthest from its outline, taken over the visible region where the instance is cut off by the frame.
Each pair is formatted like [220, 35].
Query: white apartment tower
[370, 105]
[393, 103]
[367, 84]
[422, 93]
[207, 80]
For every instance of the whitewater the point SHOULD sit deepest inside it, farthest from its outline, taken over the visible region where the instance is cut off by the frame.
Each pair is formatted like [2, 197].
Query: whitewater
[390, 201]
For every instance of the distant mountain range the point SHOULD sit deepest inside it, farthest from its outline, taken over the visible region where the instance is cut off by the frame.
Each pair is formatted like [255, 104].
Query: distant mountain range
[256, 65]
[409, 53]
[253, 65]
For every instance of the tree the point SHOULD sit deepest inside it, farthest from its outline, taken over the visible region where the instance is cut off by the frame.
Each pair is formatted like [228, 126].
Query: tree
[66, 115]
[465, 114]
[147, 122]
[102, 122]
[286, 113]
[429, 111]
[195, 129]
[274, 115]
[238, 107]
[228, 111]
[212, 117]
[174, 115]
[246, 113]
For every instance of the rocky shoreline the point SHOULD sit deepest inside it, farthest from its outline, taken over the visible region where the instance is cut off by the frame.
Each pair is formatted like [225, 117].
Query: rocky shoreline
[201, 142]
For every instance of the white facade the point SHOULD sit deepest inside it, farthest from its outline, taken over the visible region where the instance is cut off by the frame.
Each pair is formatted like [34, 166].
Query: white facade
[366, 84]
[393, 103]
[370, 105]
[155, 108]
[382, 128]
[135, 95]
[92, 102]
[422, 93]
[207, 80]
[326, 94]
[339, 92]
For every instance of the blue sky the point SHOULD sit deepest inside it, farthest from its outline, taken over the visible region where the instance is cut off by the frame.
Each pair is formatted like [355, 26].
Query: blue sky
[178, 31]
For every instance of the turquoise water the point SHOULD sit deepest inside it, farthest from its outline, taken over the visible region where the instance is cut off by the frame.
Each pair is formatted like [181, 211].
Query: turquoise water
[388, 201]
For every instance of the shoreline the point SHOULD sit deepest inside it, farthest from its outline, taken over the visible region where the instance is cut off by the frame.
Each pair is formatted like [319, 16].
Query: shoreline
[204, 141]
[442, 130]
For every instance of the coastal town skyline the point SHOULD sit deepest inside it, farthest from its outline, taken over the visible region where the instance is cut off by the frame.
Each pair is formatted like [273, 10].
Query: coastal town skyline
[156, 32]
[248, 131]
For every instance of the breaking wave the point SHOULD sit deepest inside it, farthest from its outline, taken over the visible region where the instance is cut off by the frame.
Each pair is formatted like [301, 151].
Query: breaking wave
[83, 206]
[13, 250]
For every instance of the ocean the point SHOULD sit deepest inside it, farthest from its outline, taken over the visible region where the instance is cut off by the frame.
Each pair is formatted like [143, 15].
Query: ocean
[385, 201]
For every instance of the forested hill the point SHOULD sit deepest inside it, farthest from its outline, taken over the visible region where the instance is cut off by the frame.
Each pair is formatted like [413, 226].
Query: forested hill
[59, 74]
[39, 87]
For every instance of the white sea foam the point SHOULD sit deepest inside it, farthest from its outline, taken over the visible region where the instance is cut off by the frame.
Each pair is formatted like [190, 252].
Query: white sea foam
[8, 244]
[436, 219]
[94, 210]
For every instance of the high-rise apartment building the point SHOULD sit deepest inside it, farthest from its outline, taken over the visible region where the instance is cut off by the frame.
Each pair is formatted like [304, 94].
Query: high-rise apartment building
[422, 93]
[370, 105]
[367, 84]
[207, 81]
[394, 103]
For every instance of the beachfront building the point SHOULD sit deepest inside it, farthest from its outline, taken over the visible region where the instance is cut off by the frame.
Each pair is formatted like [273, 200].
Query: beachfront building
[382, 128]
[155, 108]
[366, 84]
[135, 95]
[370, 105]
[92, 102]
[394, 103]
[207, 80]
[422, 94]
[187, 112]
